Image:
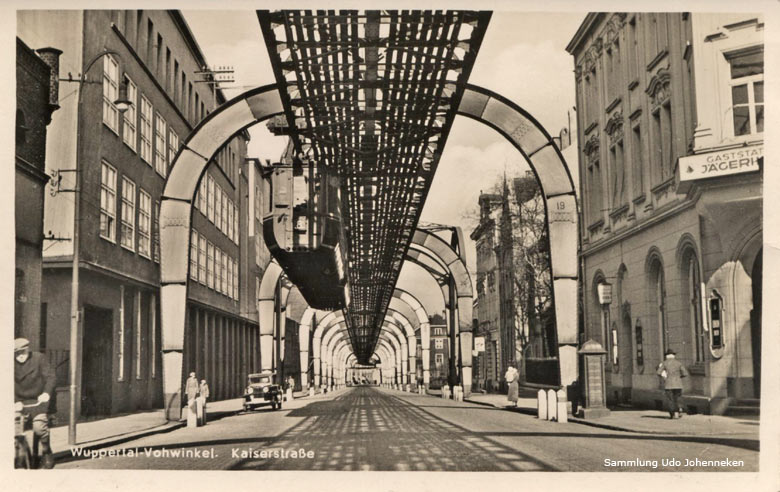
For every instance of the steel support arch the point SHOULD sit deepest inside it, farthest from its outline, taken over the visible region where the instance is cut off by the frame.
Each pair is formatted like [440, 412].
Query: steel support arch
[256, 105]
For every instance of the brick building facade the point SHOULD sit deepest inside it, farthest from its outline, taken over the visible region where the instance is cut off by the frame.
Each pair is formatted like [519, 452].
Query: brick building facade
[123, 159]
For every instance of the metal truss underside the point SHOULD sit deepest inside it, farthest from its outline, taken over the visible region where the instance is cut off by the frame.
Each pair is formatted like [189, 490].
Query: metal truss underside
[373, 95]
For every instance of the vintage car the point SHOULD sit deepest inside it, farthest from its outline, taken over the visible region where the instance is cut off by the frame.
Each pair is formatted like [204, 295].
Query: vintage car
[262, 391]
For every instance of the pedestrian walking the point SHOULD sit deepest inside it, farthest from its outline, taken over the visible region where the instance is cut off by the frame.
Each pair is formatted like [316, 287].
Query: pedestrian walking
[203, 390]
[191, 388]
[512, 379]
[671, 372]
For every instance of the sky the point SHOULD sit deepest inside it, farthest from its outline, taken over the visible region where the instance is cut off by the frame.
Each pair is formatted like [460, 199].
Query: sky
[522, 57]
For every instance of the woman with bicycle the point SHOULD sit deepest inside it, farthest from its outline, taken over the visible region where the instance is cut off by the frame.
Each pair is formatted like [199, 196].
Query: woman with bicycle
[34, 384]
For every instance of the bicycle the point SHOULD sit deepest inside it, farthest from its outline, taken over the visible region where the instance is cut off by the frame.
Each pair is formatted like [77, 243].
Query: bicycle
[24, 457]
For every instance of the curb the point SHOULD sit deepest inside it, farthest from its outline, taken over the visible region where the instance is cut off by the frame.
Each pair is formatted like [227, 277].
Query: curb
[66, 455]
[577, 420]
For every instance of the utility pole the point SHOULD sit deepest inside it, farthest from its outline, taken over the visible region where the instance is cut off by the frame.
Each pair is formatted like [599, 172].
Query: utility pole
[76, 314]
[214, 77]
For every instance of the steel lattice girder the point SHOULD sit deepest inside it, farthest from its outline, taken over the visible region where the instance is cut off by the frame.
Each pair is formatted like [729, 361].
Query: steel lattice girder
[373, 97]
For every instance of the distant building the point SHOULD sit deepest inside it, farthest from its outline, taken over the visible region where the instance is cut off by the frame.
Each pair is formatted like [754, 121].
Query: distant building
[495, 312]
[440, 351]
[670, 125]
[123, 160]
[36, 99]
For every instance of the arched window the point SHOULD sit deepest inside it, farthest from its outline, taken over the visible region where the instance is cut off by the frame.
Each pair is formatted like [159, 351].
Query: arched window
[691, 289]
[657, 291]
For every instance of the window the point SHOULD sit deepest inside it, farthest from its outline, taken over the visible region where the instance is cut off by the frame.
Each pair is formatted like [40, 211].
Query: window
[167, 75]
[439, 343]
[594, 179]
[194, 255]
[231, 212]
[108, 202]
[747, 91]
[224, 274]
[439, 360]
[160, 163]
[235, 280]
[183, 94]
[637, 158]
[217, 206]
[203, 195]
[614, 79]
[189, 100]
[618, 175]
[229, 283]
[210, 266]
[173, 146]
[128, 214]
[591, 99]
[202, 260]
[224, 215]
[658, 302]
[156, 232]
[144, 224]
[130, 116]
[662, 143]
[159, 46]
[692, 289]
[657, 34]
[235, 224]
[633, 51]
[218, 270]
[149, 41]
[210, 211]
[146, 129]
[110, 92]
[138, 18]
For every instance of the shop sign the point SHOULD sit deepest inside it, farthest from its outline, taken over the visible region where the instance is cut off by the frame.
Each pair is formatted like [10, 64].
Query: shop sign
[714, 164]
[479, 344]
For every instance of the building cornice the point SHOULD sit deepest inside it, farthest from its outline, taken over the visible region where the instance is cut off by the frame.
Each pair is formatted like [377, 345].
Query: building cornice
[582, 31]
[646, 224]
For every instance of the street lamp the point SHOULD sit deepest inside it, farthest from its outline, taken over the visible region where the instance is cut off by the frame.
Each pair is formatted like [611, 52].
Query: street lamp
[122, 104]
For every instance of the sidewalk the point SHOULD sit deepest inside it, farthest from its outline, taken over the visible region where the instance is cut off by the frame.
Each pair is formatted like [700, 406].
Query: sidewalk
[644, 421]
[112, 431]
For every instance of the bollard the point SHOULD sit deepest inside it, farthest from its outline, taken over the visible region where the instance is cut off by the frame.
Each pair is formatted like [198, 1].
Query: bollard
[200, 410]
[541, 404]
[552, 405]
[192, 413]
[563, 414]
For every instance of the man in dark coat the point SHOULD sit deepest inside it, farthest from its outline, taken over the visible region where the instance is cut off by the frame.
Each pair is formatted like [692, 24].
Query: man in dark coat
[34, 382]
[672, 371]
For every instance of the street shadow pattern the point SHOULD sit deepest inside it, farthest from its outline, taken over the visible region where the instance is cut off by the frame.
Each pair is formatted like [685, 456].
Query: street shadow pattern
[367, 430]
